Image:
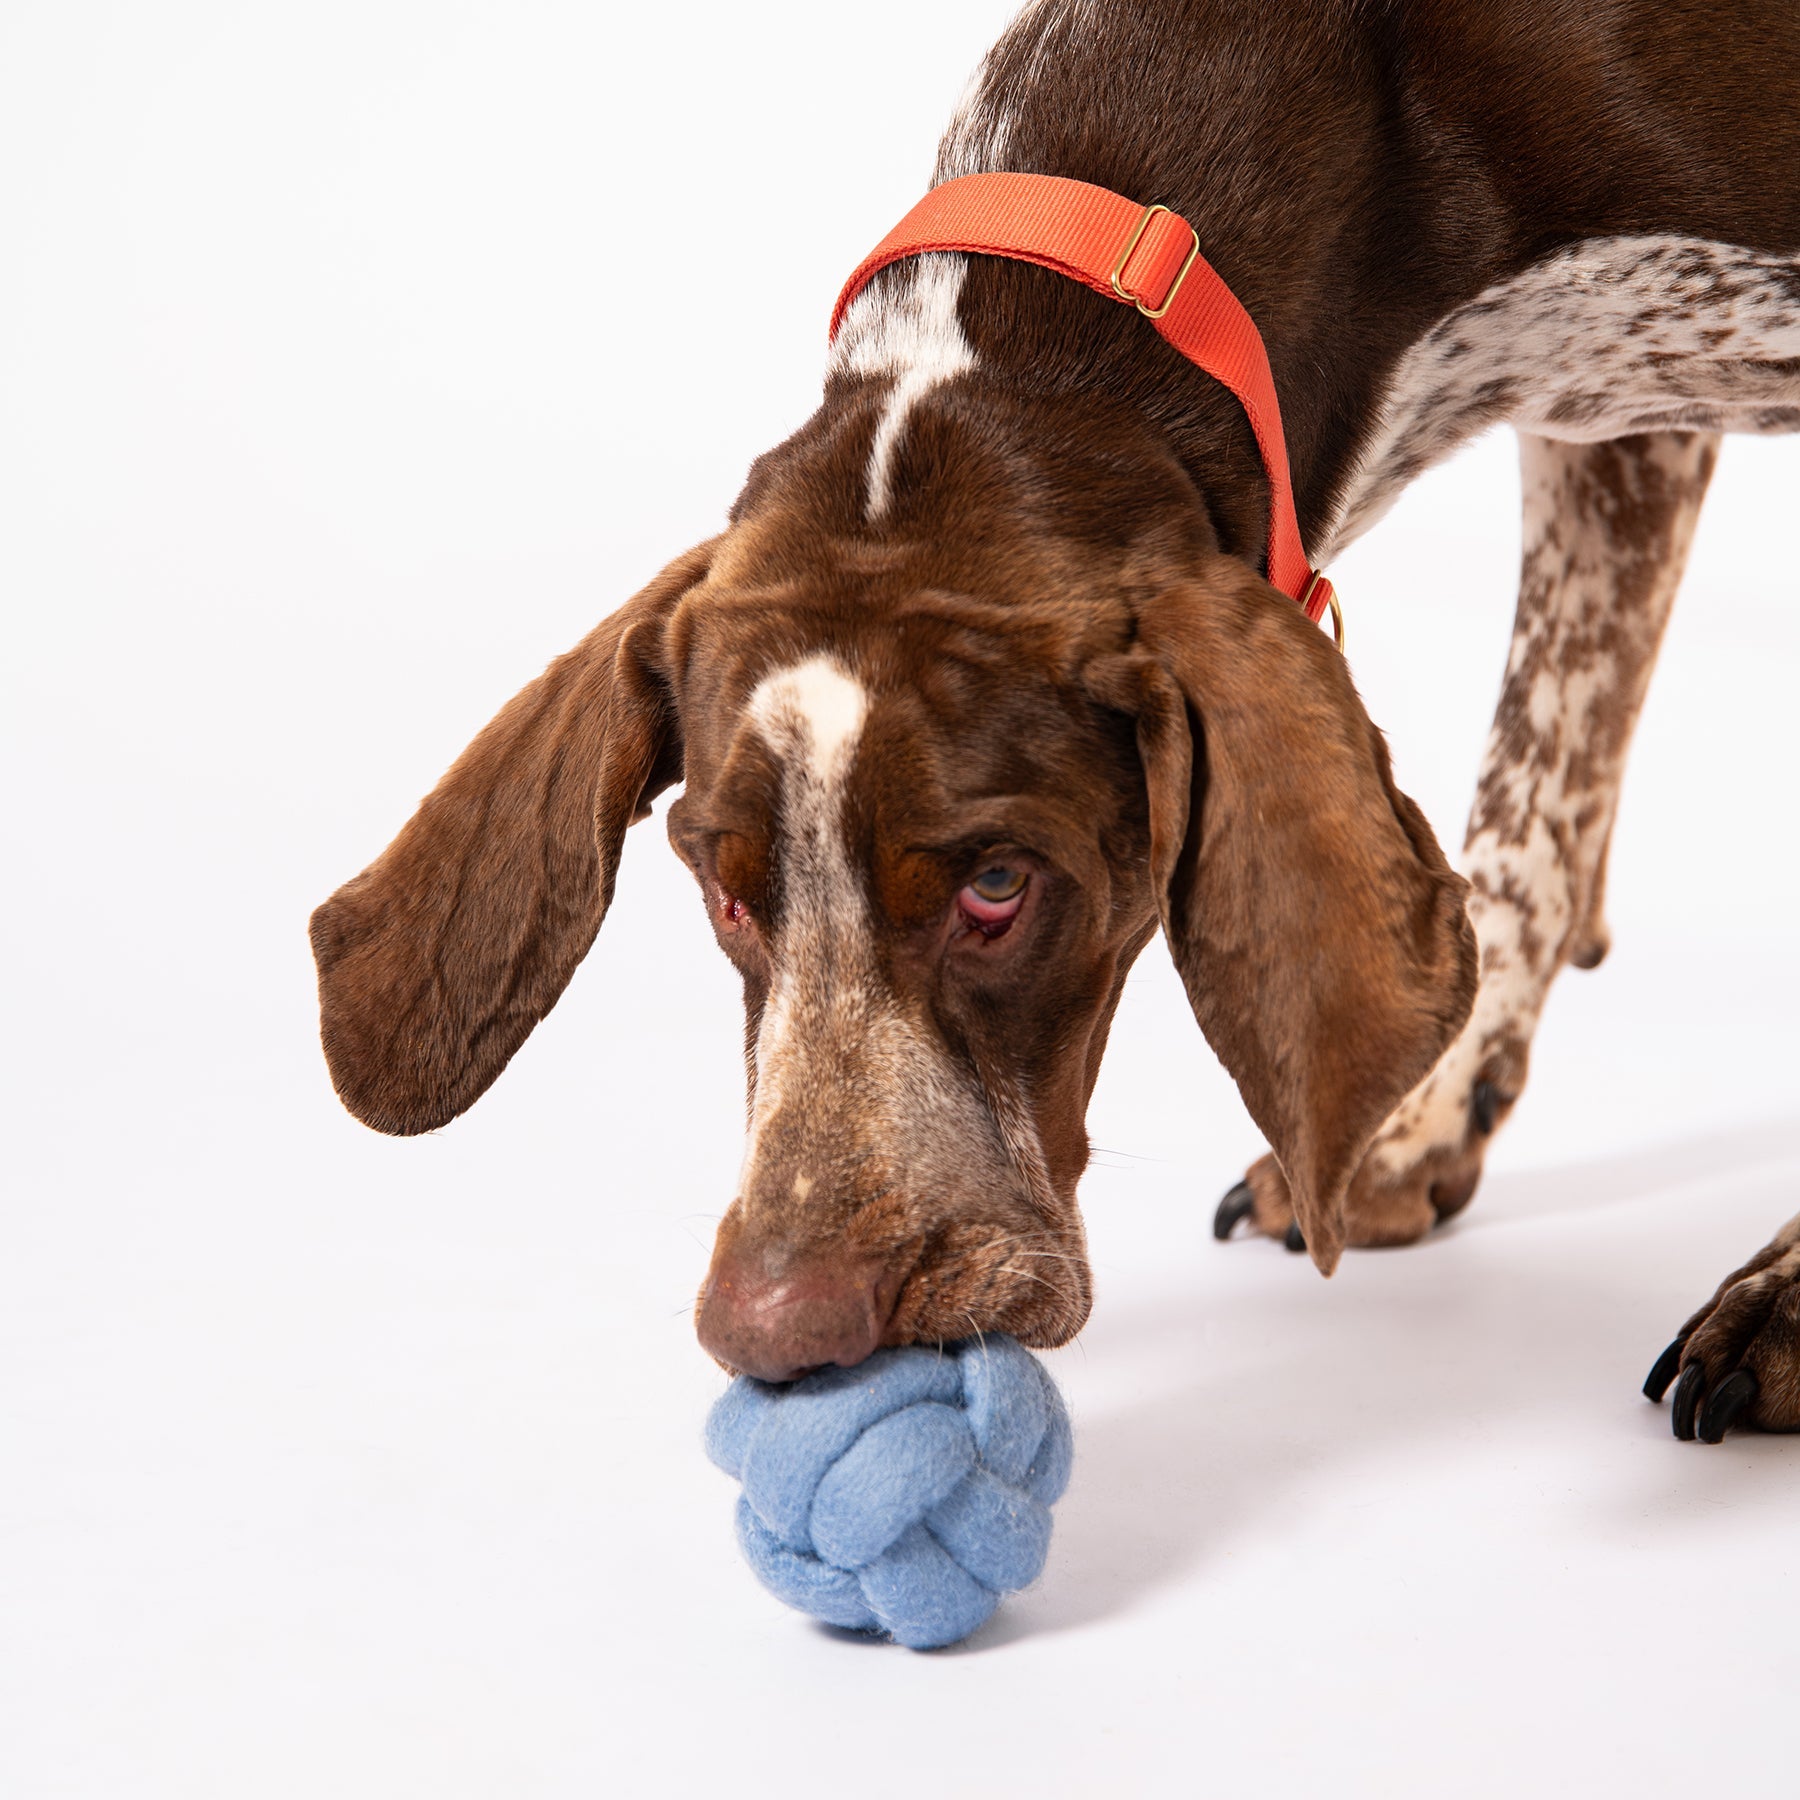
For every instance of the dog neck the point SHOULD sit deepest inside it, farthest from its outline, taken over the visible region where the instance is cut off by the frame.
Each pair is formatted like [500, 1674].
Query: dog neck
[1354, 188]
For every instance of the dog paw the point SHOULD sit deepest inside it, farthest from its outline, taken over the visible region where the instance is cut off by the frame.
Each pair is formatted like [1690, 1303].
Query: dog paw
[1737, 1360]
[1261, 1198]
[1423, 1168]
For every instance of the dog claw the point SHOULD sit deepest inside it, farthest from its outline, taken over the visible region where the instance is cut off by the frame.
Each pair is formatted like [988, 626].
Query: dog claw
[1233, 1210]
[1687, 1401]
[1295, 1239]
[1724, 1404]
[1663, 1371]
[1484, 1103]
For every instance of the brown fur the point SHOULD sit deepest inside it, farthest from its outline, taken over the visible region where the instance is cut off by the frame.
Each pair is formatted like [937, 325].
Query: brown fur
[1753, 1324]
[1313, 917]
[1606, 535]
[1070, 658]
[1319, 931]
[436, 962]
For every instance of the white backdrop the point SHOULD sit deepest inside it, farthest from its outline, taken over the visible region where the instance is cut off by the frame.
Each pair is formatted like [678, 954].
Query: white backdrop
[344, 379]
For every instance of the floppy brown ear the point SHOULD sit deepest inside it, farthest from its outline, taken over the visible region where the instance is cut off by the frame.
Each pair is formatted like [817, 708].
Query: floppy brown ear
[439, 958]
[1318, 929]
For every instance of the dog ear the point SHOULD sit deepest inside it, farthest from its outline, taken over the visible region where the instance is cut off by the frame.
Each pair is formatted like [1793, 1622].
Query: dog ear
[1319, 931]
[439, 958]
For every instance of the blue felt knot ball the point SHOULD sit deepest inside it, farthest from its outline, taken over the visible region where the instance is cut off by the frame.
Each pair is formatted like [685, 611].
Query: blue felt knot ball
[905, 1495]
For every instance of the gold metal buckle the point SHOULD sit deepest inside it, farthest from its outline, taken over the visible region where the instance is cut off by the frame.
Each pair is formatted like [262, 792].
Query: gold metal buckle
[1331, 600]
[1131, 243]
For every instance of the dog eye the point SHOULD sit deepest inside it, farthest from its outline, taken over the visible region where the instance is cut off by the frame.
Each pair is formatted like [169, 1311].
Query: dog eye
[992, 900]
[998, 885]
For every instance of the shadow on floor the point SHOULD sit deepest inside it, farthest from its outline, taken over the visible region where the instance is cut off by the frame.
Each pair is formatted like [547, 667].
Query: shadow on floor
[1279, 1380]
[1638, 1175]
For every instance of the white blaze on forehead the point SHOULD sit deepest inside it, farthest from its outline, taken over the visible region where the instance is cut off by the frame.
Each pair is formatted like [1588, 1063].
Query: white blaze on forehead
[903, 326]
[831, 1035]
[814, 710]
[810, 714]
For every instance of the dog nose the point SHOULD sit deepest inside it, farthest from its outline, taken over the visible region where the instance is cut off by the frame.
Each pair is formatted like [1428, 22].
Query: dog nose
[777, 1324]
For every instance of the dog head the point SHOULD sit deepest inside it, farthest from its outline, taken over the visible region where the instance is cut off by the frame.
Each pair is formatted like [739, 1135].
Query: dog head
[945, 774]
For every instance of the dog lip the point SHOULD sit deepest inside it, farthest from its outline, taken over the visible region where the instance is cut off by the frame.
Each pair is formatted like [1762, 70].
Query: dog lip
[1043, 1309]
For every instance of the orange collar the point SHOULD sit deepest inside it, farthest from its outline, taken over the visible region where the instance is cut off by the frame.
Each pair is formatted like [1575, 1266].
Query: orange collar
[1148, 257]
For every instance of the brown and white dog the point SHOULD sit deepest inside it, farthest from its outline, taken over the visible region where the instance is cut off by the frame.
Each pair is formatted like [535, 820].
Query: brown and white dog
[982, 685]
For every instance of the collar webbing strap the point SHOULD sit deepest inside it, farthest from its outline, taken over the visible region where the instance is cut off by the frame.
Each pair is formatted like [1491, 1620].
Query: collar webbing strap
[1145, 256]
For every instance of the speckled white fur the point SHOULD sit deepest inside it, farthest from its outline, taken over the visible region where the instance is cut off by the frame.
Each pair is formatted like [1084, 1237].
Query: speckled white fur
[1609, 337]
[1538, 839]
[1612, 337]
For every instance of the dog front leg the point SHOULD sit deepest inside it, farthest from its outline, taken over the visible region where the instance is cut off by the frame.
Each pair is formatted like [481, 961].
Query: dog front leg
[1607, 530]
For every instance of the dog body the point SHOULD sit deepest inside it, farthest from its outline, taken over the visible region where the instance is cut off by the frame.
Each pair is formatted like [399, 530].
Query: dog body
[982, 684]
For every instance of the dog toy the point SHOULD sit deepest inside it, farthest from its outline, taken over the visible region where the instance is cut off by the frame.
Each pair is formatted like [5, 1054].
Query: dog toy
[906, 1495]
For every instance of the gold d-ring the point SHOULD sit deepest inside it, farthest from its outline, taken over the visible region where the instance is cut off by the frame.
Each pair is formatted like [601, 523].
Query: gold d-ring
[1331, 600]
[1181, 274]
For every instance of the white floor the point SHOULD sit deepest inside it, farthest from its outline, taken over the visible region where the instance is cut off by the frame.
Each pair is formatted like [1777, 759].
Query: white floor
[331, 1465]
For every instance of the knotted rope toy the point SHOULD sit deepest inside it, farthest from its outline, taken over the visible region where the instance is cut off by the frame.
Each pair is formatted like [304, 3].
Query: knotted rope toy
[906, 1495]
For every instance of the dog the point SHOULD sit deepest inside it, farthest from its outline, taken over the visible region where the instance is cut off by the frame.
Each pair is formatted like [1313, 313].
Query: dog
[983, 684]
